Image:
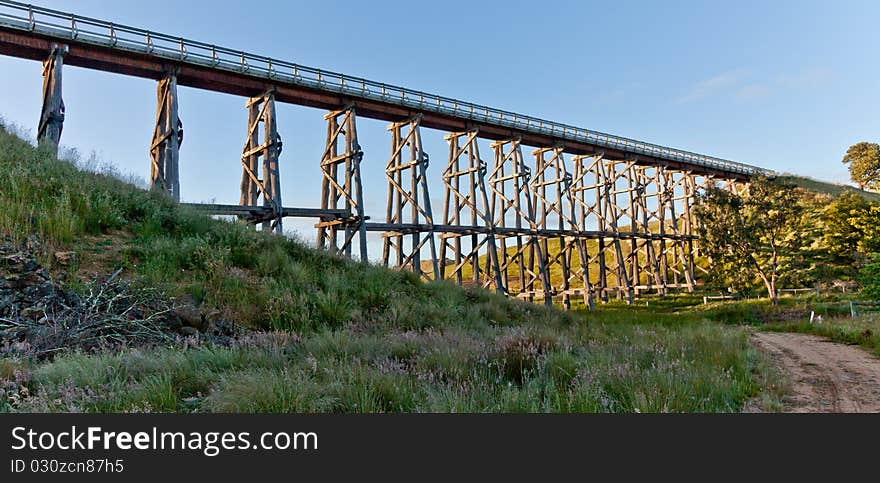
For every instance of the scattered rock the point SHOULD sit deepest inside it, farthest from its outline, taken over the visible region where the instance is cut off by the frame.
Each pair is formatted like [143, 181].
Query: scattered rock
[26, 289]
[211, 315]
[188, 315]
[65, 258]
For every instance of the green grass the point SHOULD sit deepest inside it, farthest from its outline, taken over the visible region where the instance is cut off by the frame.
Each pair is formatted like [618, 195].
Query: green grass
[863, 330]
[338, 336]
[663, 357]
[760, 312]
[793, 315]
[533, 367]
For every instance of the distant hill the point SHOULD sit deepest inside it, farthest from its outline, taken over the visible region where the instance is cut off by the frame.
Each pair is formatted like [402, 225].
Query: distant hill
[825, 187]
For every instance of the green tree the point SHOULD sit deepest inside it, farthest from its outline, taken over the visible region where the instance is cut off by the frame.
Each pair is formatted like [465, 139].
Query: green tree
[758, 234]
[843, 233]
[868, 225]
[864, 164]
[850, 240]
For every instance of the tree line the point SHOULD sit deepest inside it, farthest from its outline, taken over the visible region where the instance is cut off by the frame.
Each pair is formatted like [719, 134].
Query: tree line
[773, 234]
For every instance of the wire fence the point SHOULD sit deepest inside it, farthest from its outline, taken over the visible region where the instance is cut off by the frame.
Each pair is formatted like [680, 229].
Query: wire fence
[859, 307]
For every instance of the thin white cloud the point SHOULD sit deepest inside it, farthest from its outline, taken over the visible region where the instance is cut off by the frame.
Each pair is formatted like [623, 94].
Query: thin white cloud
[720, 83]
[806, 79]
[741, 85]
[753, 92]
[618, 93]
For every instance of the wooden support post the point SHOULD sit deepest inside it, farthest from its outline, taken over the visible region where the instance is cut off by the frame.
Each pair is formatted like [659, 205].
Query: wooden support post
[689, 224]
[342, 188]
[586, 209]
[681, 227]
[468, 207]
[250, 184]
[261, 111]
[52, 114]
[663, 185]
[603, 277]
[611, 214]
[595, 212]
[271, 175]
[648, 221]
[167, 139]
[408, 185]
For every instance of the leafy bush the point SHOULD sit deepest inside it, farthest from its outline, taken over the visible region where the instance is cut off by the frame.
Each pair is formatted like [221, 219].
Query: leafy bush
[871, 278]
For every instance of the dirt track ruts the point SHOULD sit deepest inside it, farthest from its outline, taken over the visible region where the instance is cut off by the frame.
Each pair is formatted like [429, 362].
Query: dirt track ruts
[825, 376]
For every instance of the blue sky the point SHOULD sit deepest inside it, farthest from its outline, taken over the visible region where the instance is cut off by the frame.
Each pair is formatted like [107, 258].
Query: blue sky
[784, 85]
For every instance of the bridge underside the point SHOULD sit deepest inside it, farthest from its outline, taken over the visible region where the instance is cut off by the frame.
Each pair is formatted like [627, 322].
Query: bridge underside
[566, 220]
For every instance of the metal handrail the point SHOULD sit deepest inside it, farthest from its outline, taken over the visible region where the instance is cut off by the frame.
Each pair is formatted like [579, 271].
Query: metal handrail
[70, 27]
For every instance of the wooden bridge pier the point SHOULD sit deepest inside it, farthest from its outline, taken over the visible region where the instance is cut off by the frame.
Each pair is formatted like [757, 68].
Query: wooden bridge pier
[608, 175]
[587, 190]
[342, 188]
[466, 215]
[167, 139]
[261, 112]
[52, 113]
[408, 203]
[676, 259]
[523, 265]
[554, 208]
[645, 221]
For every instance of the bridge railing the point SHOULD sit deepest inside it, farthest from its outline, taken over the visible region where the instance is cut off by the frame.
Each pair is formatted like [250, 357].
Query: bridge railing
[76, 28]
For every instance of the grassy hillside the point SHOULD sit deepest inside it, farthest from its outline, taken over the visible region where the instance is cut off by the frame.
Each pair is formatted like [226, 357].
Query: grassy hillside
[227, 269]
[321, 333]
[592, 248]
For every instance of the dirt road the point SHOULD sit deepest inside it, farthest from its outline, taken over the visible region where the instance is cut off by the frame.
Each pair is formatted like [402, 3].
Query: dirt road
[825, 376]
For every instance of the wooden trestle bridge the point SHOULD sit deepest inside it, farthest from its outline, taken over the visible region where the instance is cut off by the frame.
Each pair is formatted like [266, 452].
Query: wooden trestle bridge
[552, 211]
